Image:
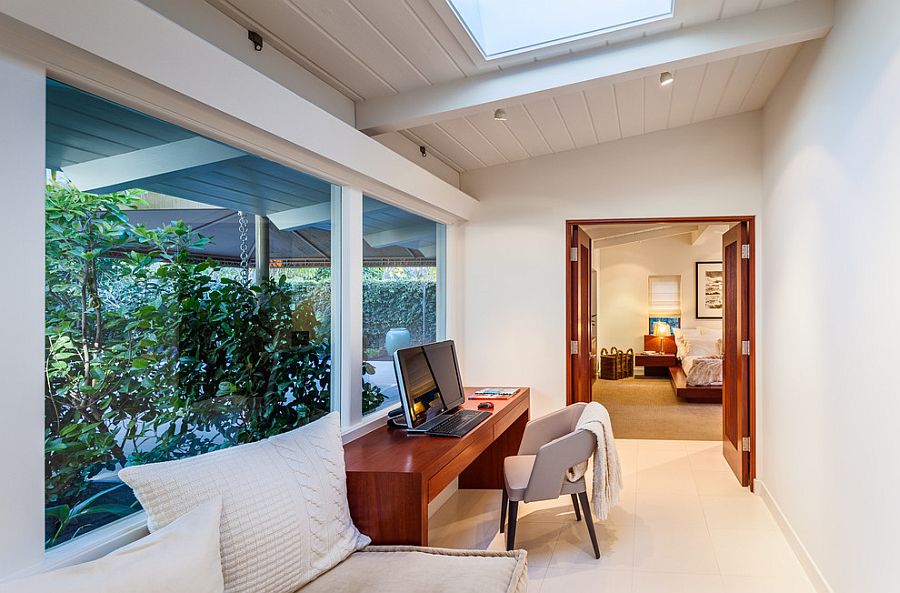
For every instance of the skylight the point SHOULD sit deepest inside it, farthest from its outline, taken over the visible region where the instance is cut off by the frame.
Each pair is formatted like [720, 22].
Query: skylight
[502, 27]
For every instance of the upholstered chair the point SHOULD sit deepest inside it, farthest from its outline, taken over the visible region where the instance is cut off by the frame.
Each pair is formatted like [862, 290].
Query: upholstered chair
[550, 446]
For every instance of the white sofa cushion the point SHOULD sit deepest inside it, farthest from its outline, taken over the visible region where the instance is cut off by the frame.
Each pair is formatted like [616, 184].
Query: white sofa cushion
[183, 557]
[391, 569]
[285, 518]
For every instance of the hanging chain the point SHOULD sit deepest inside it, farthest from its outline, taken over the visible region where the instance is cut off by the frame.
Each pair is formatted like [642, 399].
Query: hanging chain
[245, 251]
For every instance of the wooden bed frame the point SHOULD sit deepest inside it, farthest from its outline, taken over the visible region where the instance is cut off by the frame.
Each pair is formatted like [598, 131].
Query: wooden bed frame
[693, 394]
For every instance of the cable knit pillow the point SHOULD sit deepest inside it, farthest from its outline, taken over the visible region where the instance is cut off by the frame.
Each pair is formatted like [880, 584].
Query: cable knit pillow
[285, 518]
[183, 557]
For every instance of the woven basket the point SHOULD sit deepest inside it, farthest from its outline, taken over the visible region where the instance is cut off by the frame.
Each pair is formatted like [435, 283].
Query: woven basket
[616, 364]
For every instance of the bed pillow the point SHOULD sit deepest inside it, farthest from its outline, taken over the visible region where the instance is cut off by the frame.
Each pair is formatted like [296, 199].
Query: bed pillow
[702, 347]
[710, 332]
[285, 518]
[681, 334]
[183, 557]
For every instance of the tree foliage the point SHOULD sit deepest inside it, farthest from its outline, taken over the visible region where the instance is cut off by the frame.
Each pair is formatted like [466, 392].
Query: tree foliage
[152, 355]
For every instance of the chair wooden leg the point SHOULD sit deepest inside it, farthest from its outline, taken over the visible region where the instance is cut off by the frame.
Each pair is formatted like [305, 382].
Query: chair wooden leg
[577, 510]
[504, 502]
[589, 520]
[511, 529]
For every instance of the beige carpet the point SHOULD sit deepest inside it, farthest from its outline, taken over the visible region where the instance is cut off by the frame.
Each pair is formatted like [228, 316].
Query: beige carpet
[646, 408]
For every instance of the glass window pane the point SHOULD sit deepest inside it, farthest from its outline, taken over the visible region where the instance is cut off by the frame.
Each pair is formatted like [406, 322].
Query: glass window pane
[399, 294]
[188, 306]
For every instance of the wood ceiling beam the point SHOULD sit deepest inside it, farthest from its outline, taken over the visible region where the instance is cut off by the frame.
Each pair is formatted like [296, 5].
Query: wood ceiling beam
[123, 171]
[298, 218]
[762, 30]
[399, 236]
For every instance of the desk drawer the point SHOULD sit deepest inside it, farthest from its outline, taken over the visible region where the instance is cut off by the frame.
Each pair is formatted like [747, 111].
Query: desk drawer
[510, 415]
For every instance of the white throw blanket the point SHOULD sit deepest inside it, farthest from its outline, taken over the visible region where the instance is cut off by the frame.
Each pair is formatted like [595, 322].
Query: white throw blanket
[607, 470]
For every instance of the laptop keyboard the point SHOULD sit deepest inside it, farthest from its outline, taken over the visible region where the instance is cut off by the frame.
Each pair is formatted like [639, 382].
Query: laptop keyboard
[459, 424]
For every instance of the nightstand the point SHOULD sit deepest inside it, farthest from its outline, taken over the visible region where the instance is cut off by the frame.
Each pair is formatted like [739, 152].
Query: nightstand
[655, 365]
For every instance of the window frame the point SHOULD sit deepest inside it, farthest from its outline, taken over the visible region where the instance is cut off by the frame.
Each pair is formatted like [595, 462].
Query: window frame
[346, 306]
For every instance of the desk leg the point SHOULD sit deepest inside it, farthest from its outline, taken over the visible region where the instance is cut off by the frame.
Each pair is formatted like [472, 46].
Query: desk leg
[486, 472]
[392, 509]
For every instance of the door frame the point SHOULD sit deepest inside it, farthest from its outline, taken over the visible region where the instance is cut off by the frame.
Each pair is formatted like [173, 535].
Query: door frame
[751, 363]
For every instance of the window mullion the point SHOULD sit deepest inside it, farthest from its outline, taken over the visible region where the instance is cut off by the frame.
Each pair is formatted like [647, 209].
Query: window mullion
[348, 355]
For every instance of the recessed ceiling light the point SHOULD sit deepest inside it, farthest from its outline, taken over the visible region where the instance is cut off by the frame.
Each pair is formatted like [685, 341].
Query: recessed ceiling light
[500, 115]
[666, 78]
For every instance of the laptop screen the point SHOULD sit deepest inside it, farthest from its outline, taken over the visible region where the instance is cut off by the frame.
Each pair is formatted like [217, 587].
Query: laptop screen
[429, 381]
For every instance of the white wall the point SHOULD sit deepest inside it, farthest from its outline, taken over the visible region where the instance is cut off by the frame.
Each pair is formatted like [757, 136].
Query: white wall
[622, 301]
[832, 294]
[21, 314]
[514, 253]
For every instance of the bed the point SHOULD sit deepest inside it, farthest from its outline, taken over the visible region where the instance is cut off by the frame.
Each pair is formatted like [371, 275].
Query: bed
[696, 375]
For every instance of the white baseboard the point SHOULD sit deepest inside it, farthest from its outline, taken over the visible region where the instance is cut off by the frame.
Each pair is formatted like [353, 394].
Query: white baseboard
[809, 566]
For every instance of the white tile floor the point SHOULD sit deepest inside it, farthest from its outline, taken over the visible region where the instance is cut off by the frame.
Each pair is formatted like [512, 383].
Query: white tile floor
[684, 526]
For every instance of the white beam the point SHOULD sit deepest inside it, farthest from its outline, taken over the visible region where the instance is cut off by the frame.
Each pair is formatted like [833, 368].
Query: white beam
[762, 30]
[297, 218]
[112, 48]
[699, 233]
[397, 236]
[662, 233]
[123, 170]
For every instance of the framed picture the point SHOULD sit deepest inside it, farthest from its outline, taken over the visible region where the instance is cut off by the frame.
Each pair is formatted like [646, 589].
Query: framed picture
[710, 290]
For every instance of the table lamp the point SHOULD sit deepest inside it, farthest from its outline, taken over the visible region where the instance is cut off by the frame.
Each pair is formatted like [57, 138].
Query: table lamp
[661, 329]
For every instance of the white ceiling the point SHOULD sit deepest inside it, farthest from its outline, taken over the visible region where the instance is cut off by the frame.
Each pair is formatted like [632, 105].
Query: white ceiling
[374, 48]
[410, 71]
[608, 112]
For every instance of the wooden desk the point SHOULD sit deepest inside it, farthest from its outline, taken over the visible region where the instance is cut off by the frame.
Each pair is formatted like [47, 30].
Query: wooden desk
[391, 477]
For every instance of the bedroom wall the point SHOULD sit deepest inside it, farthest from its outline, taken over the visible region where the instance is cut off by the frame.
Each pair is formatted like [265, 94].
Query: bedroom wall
[832, 208]
[622, 285]
[514, 250]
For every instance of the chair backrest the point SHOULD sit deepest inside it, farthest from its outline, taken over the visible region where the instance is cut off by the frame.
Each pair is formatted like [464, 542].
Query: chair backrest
[547, 428]
[554, 458]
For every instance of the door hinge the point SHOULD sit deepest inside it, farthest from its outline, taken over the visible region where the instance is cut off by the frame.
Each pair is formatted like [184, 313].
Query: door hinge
[573, 254]
[573, 347]
[745, 251]
[745, 347]
[745, 444]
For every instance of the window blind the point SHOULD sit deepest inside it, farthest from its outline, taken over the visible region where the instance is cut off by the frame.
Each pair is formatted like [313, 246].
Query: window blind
[665, 296]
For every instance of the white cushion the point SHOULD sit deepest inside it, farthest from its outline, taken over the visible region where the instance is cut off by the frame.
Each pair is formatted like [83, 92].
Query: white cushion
[681, 334]
[702, 347]
[285, 518]
[180, 558]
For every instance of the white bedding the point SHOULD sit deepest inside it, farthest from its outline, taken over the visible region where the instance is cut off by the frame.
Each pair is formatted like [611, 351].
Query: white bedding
[702, 370]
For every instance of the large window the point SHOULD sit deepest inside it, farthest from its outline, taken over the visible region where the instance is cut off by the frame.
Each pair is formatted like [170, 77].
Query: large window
[400, 286]
[188, 301]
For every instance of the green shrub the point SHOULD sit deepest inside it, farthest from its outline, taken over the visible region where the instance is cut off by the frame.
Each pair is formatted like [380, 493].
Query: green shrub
[152, 355]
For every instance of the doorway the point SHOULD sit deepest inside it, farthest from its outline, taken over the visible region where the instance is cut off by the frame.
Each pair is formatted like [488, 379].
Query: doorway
[721, 293]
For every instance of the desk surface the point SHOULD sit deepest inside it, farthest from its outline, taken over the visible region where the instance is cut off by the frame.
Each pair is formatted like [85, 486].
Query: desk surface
[392, 450]
[391, 477]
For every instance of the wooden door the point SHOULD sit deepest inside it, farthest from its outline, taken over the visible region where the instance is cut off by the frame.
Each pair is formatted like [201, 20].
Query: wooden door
[736, 343]
[579, 322]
